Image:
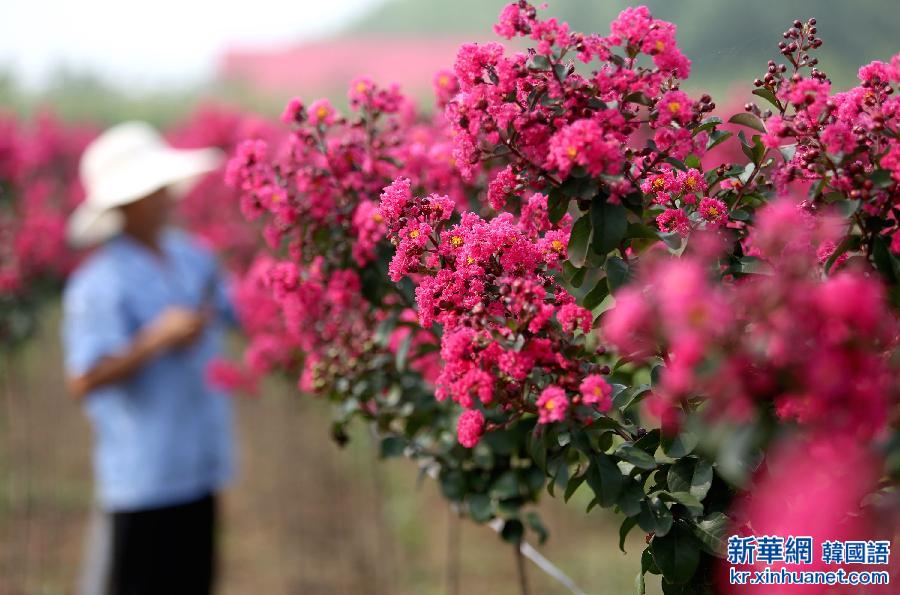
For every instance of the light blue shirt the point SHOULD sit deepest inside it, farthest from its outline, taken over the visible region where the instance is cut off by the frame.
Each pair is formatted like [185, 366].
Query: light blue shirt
[164, 435]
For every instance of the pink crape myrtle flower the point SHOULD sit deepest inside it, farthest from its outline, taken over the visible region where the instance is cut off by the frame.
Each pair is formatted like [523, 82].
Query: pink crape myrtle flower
[321, 113]
[597, 392]
[552, 405]
[713, 211]
[674, 220]
[470, 427]
[675, 106]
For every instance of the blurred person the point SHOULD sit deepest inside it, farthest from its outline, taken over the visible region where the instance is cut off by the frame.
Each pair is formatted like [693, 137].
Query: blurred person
[142, 318]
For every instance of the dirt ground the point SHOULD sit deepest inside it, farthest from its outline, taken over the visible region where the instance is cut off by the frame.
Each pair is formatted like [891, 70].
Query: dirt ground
[304, 517]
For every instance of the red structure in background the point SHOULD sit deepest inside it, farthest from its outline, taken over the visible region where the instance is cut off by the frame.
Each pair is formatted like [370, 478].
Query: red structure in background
[329, 64]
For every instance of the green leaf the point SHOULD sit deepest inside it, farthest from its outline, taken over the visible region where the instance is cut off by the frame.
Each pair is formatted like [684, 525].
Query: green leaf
[483, 456]
[558, 204]
[453, 484]
[846, 244]
[609, 225]
[693, 161]
[580, 186]
[655, 516]
[513, 531]
[676, 163]
[881, 178]
[636, 456]
[606, 423]
[639, 587]
[538, 62]
[647, 562]
[505, 486]
[538, 450]
[617, 273]
[578, 279]
[637, 97]
[751, 265]
[627, 525]
[403, 352]
[679, 445]
[758, 150]
[480, 508]
[649, 442]
[630, 497]
[754, 150]
[630, 396]
[787, 152]
[749, 120]
[569, 270]
[573, 485]
[534, 478]
[691, 476]
[392, 446]
[717, 137]
[639, 230]
[676, 554]
[736, 456]
[604, 478]
[766, 94]
[694, 507]
[596, 295]
[671, 239]
[885, 262]
[846, 208]
[534, 521]
[707, 124]
[702, 479]
[749, 168]
[711, 531]
[561, 71]
[579, 240]
[681, 474]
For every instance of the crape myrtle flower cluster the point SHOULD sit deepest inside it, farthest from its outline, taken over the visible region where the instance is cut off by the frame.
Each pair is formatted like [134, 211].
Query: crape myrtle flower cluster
[510, 331]
[328, 307]
[840, 147]
[316, 192]
[813, 349]
[616, 126]
[39, 182]
[211, 209]
[39, 187]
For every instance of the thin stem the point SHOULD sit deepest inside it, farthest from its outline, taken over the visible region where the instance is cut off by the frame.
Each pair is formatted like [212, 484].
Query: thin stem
[8, 474]
[740, 194]
[453, 549]
[540, 171]
[520, 569]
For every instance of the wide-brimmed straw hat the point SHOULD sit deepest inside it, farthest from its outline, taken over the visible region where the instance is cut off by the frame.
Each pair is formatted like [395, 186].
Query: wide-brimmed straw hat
[125, 164]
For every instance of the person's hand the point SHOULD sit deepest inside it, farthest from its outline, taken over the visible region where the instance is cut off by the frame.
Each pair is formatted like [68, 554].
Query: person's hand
[175, 327]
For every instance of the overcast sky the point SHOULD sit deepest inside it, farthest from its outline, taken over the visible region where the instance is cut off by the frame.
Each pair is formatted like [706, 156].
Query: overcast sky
[152, 42]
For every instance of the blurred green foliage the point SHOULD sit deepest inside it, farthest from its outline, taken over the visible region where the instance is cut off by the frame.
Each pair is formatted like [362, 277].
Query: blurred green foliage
[727, 40]
[82, 96]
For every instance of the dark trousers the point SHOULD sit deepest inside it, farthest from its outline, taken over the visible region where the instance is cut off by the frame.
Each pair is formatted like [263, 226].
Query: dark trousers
[164, 551]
